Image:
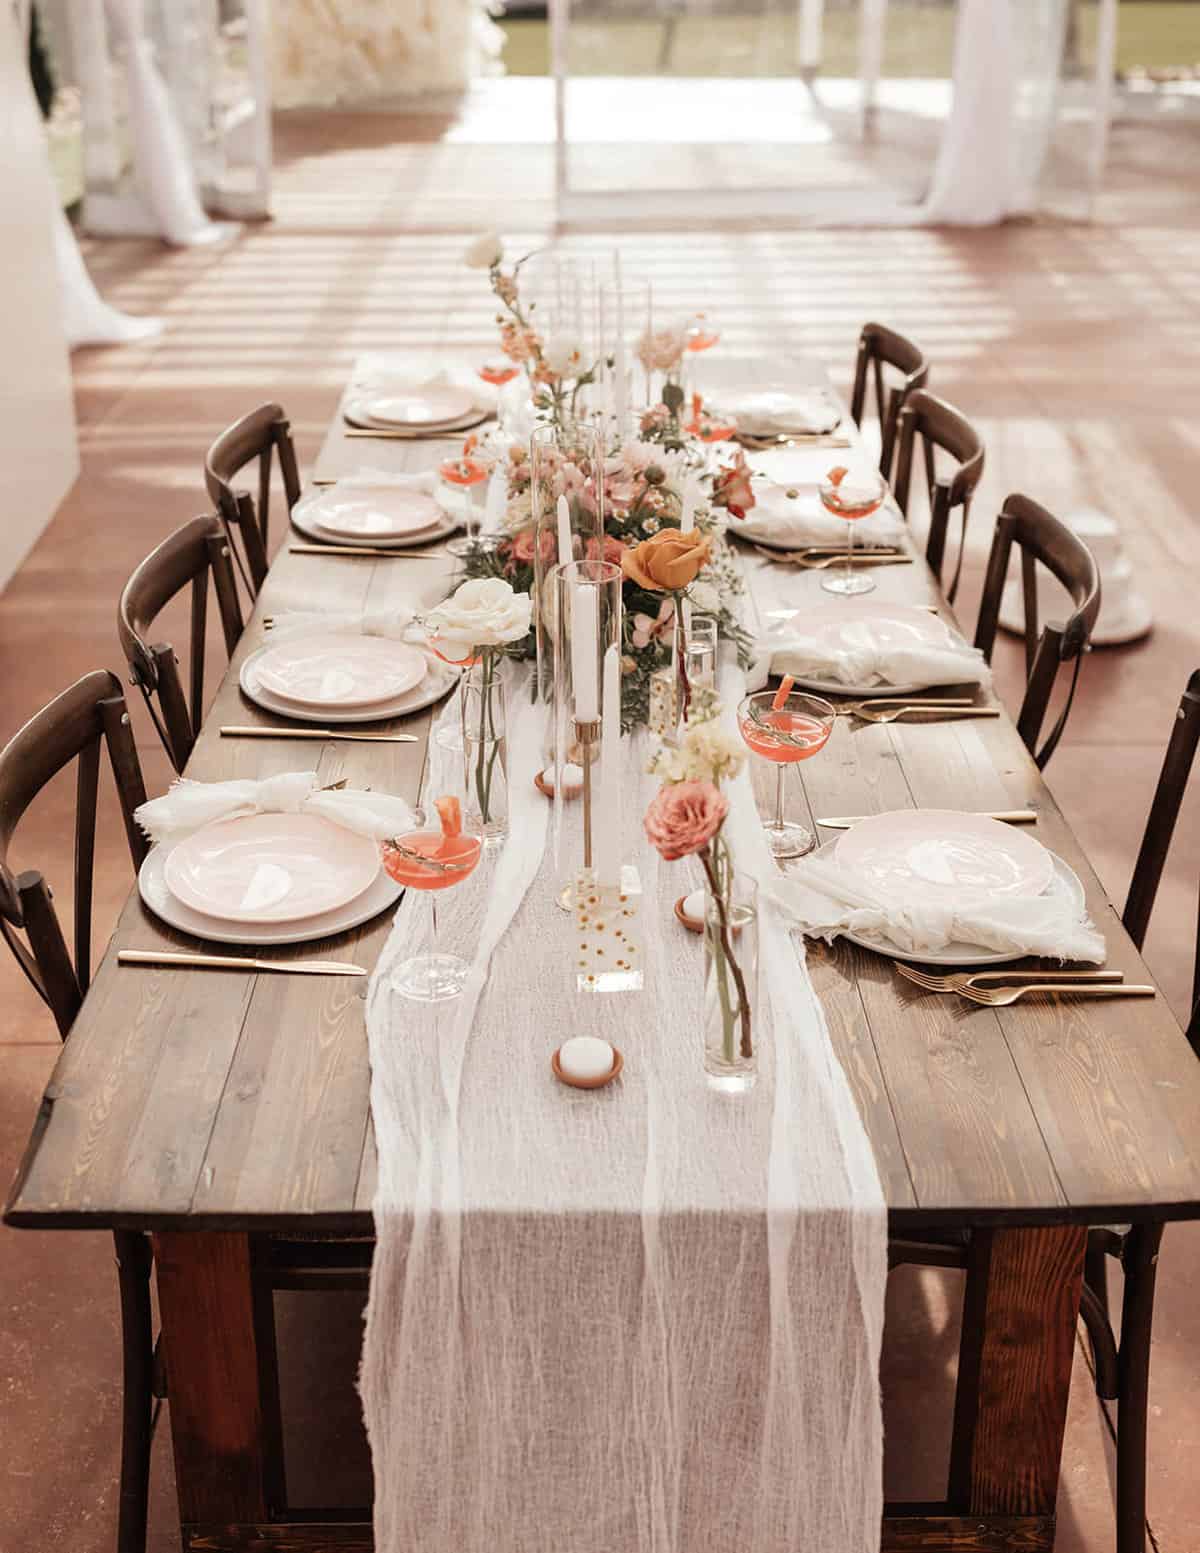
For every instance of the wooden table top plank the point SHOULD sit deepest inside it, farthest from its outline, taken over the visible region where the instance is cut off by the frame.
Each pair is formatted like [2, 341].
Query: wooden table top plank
[225, 1099]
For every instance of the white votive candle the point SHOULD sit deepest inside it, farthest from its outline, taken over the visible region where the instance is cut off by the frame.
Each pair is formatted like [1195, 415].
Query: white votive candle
[693, 907]
[586, 1058]
[572, 779]
[564, 531]
[585, 638]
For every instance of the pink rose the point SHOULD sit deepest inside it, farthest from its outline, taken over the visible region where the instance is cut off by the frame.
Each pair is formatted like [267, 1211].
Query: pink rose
[684, 817]
[523, 546]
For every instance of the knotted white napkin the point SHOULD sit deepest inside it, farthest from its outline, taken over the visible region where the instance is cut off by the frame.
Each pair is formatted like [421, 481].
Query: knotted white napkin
[427, 483]
[823, 899]
[391, 623]
[789, 516]
[855, 655]
[382, 370]
[766, 412]
[188, 805]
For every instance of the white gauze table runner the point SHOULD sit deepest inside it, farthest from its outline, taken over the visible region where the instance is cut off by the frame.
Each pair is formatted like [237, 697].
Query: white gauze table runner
[642, 1319]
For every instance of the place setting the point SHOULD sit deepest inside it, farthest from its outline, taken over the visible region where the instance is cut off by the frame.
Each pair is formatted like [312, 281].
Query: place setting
[823, 516]
[267, 863]
[378, 514]
[334, 671]
[780, 415]
[391, 396]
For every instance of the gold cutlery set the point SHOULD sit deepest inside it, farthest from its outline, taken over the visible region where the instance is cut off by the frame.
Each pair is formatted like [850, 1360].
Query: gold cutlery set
[171, 960]
[988, 989]
[819, 558]
[374, 550]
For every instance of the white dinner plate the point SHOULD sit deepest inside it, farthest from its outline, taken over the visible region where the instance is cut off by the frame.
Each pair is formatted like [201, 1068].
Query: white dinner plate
[306, 520]
[367, 513]
[439, 681]
[1064, 882]
[415, 407]
[338, 670]
[152, 887]
[934, 856]
[265, 868]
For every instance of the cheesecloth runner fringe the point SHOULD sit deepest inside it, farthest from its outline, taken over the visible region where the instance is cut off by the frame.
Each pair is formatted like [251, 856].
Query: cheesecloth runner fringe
[642, 1319]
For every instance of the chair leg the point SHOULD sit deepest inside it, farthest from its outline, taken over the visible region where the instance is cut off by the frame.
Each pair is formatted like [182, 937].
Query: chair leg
[1095, 1278]
[1140, 1259]
[133, 1271]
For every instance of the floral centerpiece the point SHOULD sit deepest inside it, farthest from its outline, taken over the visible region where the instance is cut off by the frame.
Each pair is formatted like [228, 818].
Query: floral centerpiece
[555, 367]
[480, 624]
[686, 819]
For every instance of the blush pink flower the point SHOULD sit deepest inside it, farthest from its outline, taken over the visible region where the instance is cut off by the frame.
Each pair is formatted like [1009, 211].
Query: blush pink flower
[612, 550]
[523, 546]
[684, 817]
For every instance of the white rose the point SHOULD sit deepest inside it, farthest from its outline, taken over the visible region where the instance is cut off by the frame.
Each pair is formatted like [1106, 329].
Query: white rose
[483, 612]
[563, 355]
[485, 252]
[705, 597]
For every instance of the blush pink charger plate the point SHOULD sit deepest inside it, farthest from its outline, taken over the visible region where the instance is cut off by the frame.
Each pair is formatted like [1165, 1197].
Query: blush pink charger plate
[271, 868]
[337, 671]
[939, 855]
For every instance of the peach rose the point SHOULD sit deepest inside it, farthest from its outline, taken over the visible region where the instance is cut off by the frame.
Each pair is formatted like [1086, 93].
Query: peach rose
[668, 561]
[684, 817]
[612, 550]
[732, 489]
[524, 546]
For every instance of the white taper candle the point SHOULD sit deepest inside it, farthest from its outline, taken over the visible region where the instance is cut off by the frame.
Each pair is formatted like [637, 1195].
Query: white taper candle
[607, 848]
[564, 532]
[585, 638]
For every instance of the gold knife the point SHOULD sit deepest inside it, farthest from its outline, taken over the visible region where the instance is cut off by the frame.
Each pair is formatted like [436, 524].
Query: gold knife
[1009, 816]
[229, 962]
[336, 550]
[256, 732]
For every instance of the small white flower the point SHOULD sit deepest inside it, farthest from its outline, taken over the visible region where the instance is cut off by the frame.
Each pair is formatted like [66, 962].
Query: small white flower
[484, 252]
[563, 354]
[482, 612]
[705, 597]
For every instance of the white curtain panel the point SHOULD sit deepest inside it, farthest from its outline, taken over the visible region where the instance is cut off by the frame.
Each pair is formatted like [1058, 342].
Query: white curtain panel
[162, 165]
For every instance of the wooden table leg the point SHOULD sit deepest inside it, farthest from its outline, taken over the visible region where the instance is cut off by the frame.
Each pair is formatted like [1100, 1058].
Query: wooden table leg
[221, 1383]
[1019, 1317]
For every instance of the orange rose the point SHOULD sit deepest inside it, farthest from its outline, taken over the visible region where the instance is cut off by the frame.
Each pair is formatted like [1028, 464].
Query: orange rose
[668, 561]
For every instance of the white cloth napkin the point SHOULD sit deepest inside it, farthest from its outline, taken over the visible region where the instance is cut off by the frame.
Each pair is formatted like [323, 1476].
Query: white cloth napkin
[823, 899]
[854, 656]
[766, 412]
[188, 805]
[427, 482]
[391, 623]
[789, 516]
[381, 370]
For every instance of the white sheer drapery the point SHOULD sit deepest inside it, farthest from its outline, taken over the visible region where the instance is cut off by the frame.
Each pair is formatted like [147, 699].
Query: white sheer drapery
[1007, 62]
[162, 165]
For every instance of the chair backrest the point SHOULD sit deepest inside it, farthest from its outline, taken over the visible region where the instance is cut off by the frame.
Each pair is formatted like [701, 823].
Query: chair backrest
[191, 554]
[259, 435]
[938, 425]
[70, 728]
[879, 346]
[1160, 828]
[1041, 538]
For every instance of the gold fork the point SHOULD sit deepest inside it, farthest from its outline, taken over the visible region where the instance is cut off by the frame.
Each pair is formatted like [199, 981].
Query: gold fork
[856, 708]
[962, 979]
[809, 555]
[1001, 997]
[890, 714]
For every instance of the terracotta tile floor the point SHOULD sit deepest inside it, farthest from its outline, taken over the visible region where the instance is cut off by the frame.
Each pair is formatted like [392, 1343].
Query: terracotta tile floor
[1076, 348]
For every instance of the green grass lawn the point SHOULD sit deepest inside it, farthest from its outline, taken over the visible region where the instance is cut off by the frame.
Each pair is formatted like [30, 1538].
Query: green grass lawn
[1153, 33]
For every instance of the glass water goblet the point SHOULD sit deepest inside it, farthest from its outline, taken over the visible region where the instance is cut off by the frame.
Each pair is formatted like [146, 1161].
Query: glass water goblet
[785, 729]
[851, 496]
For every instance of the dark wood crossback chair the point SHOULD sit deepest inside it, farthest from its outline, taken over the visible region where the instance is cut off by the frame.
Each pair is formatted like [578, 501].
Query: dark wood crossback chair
[262, 434]
[938, 426]
[1122, 1365]
[880, 347]
[1042, 540]
[194, 554]
[73, 728]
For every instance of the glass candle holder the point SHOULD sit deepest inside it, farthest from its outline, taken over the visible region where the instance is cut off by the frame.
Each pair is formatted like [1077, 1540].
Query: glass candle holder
[700, 652]
[626, 315]
[587, 713]
[567, 495]
[608, 946]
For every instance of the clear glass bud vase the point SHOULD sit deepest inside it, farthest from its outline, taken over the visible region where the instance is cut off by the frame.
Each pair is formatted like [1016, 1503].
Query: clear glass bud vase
[484, 725]
[731, 1003]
